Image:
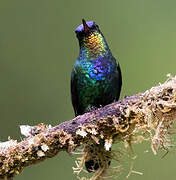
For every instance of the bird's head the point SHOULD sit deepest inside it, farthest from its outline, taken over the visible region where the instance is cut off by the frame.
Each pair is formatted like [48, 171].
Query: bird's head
[90, 37]
[86, 29]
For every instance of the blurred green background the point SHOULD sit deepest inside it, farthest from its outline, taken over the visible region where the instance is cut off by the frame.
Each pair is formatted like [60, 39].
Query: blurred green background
[38, 48]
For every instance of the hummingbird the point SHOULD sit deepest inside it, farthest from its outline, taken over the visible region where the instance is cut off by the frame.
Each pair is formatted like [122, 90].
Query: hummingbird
[96, 78]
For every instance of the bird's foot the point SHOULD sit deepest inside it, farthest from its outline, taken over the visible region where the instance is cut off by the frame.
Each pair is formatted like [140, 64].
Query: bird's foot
[92, 108]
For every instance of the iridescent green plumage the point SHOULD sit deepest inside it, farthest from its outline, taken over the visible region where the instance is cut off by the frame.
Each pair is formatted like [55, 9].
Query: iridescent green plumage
[96, 77]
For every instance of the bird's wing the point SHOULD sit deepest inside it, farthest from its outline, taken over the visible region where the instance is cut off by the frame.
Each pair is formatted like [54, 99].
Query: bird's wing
[119, 77]
[74, 90]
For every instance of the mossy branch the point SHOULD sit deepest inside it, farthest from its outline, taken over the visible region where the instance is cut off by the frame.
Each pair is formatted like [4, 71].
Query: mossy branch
[151, 114]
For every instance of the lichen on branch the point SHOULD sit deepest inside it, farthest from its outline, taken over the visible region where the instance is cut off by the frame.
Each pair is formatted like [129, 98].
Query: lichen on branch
[149, 115]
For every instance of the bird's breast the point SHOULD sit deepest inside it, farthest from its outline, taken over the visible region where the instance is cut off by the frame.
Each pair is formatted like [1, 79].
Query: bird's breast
[97, 69]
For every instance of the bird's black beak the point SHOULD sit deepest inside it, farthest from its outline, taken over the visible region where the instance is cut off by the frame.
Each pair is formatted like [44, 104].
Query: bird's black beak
[86, 27]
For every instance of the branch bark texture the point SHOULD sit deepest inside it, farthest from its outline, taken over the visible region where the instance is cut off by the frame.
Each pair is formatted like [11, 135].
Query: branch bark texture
[149, 115]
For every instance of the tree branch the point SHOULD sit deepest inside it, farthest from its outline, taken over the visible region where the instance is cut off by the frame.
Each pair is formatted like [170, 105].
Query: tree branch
[148, 115]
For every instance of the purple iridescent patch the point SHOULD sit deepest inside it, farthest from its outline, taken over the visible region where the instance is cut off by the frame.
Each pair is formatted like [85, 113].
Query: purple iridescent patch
[98, 70]
[80, 28]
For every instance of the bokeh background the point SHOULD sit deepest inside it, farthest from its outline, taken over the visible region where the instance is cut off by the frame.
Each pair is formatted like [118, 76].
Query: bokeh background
[38, 48]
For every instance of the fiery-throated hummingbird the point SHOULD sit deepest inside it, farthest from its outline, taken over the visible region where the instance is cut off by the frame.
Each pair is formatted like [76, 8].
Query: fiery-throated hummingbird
[96, 76]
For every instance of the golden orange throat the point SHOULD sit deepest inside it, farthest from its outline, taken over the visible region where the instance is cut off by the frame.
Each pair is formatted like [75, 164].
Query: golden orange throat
[95, 43]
